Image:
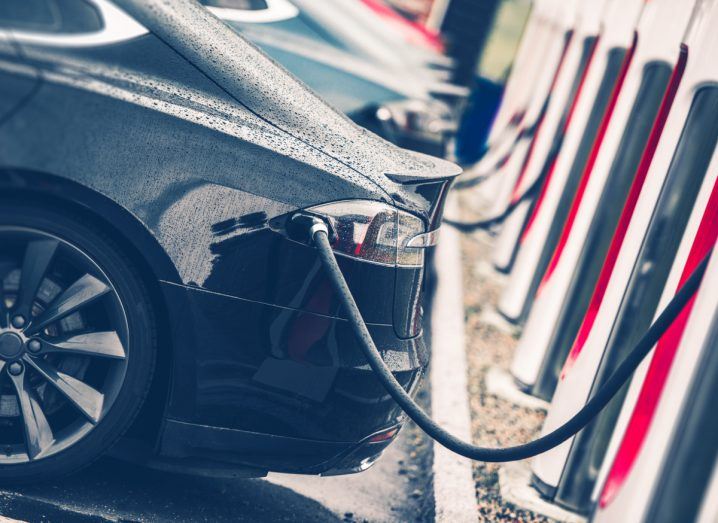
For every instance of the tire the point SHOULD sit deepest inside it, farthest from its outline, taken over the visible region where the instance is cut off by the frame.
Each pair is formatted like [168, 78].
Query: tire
[119, 365]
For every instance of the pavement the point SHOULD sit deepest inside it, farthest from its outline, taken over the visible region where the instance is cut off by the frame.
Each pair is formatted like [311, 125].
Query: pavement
[454, 490]
[398, 488]
[115, 491]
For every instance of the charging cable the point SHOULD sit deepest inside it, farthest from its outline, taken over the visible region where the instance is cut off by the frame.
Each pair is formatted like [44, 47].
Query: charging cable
[487, 223]
[319, 235]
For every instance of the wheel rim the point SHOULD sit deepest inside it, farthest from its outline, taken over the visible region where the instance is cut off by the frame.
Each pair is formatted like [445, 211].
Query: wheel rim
[63, 345]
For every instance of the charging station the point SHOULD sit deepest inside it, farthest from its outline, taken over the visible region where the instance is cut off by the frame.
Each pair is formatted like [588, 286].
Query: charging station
[524, 67]
[566, 287]
[498, 190]
[654, 475]
[547, 142]
[633, 274]
[510, 121]
[602, 84]
[705, 74]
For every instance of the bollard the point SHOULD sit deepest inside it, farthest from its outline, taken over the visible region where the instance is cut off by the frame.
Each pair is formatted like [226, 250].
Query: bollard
[566, 287]
[593, 109]
[637, 268]
[558, 34]
[664, 462]
[510, 115]
[547, 142]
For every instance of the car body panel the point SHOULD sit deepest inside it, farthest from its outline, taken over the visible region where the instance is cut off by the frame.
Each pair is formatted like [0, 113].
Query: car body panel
[195, 149]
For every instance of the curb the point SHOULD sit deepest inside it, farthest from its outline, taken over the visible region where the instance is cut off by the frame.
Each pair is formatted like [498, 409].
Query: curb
[454, 490]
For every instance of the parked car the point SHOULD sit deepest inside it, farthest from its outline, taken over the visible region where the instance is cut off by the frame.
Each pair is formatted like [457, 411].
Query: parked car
[371, 94]
[153, 288]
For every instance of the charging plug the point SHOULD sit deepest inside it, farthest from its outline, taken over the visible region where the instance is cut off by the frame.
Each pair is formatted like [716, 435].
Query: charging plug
[302, 226]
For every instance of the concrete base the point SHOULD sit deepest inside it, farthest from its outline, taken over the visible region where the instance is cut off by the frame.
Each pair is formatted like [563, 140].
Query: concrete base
[492, 317]
[486, 271]
[515, 486]
[501, 384]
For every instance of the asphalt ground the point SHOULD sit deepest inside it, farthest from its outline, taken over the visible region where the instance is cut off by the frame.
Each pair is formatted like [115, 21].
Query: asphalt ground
[398, 488]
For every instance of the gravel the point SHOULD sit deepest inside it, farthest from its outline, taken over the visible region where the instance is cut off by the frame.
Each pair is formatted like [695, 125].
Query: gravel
[495, 422]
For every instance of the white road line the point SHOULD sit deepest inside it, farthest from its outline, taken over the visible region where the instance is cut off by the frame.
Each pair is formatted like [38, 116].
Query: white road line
[454, 490]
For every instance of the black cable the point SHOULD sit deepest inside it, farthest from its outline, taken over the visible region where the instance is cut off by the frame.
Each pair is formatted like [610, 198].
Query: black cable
[487, 223]
[467, 183]
[527, 450]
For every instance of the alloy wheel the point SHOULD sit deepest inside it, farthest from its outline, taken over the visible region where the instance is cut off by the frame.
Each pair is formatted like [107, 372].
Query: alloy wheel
[63, 345]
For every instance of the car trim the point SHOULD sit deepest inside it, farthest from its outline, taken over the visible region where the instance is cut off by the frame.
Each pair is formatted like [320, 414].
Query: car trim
[118, 27]
[427, 239]
[276, 11]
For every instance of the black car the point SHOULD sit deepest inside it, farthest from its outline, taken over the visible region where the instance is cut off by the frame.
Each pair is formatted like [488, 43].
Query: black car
[156, 296]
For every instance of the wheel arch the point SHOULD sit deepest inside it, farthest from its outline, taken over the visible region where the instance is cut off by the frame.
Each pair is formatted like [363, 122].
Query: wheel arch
[139, 245]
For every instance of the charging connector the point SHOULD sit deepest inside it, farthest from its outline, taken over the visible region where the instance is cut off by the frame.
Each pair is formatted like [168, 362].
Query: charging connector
[302, 226]
[620, 376]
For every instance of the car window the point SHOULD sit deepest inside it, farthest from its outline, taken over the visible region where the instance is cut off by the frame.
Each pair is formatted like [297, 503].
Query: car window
[50, 16]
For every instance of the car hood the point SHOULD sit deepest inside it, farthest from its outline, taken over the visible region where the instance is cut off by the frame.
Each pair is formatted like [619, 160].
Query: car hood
[268, 90]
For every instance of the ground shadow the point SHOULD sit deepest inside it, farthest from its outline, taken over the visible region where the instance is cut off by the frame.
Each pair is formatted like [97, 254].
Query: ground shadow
[120, 491]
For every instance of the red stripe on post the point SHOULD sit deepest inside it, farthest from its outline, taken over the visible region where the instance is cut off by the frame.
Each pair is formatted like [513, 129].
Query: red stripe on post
[562, 131]
[515, 194]
[588, 169]
[619, 235]
[662, 361]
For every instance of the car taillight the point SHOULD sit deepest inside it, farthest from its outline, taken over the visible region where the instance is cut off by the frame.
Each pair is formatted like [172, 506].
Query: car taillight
[375, 232]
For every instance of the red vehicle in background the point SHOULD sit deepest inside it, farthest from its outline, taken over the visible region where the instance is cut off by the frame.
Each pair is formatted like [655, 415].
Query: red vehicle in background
[413, 31]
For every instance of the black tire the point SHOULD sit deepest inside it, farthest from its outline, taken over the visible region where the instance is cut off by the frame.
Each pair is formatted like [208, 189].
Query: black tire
[140, 339]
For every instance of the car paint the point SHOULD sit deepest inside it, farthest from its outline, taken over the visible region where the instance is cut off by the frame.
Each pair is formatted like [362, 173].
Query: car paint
[196, 147]
[348, 83]
[356, 84]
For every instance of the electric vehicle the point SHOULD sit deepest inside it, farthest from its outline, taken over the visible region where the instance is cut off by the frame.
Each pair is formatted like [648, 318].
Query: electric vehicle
[156, 298]
[658, 226]
[547, 141]
[594, 105]
[497, 190]
[665, 469]
[387, 41]
[373, 96]
[617, 155]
